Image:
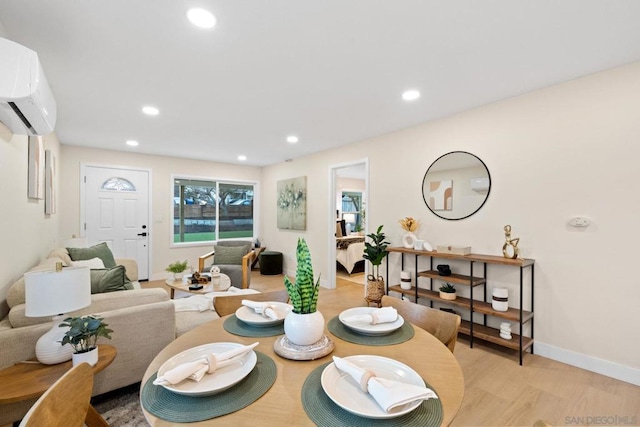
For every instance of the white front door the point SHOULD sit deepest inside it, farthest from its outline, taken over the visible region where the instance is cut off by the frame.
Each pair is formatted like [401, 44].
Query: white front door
[116, 211]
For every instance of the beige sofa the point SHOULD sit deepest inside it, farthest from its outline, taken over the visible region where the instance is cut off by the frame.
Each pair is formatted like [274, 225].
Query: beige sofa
[143, 321]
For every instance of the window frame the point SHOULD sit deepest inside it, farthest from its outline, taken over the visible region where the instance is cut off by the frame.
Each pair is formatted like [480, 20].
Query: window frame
[217, 182]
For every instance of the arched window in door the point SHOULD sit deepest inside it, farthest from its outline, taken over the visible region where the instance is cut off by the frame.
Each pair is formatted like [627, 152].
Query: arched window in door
[117, 184]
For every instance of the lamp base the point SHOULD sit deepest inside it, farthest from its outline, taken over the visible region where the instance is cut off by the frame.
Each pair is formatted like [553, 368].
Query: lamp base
[49, 351]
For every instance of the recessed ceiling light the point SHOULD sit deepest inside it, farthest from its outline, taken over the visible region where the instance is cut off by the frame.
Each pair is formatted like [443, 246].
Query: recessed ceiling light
[201, 18]
[132, 143]
[411, 95]
[292, 139]
[242, 158]
[150, 111]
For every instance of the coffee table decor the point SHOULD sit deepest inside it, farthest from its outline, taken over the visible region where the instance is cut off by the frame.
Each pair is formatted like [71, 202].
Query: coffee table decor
[404, 333]
[178, 408]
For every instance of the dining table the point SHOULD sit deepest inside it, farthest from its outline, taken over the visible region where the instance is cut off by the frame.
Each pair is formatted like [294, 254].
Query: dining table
[282, 403]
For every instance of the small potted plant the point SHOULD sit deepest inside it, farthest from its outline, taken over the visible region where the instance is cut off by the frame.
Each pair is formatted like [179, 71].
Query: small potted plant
[177, 268]
[304, 325]
[375, 251]
[83, 335]
[448, 292]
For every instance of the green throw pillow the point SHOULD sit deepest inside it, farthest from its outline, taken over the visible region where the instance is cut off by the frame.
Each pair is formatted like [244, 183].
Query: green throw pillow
[101, 250]
[225, 255]
[109, 280]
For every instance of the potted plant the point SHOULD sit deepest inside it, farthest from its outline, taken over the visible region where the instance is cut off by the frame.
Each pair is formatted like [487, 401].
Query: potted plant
[448, 292]
[177, 268]
[83, 335]
[304, 325]
[375, 251]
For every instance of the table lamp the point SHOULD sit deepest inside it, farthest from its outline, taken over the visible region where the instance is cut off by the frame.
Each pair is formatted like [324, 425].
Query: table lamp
[52, 293]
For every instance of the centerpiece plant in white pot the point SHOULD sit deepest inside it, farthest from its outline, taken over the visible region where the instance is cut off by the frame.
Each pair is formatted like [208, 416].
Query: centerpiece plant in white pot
[83, 335]
[304, 325]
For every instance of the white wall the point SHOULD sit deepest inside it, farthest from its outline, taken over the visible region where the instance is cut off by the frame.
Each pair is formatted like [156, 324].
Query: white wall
[555, 153]
[27, 233]
[162, 169]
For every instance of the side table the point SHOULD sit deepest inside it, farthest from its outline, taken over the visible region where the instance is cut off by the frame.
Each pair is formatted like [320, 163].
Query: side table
[30, 379]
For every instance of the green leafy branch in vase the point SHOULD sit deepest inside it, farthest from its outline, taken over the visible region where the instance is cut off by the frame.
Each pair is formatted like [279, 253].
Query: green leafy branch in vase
[303, 294]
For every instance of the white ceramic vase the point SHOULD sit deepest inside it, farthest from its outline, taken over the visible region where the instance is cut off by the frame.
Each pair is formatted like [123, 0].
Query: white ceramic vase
[405, 280]
[409, 240]
[500, 299]
[91, 357]
[304, 329]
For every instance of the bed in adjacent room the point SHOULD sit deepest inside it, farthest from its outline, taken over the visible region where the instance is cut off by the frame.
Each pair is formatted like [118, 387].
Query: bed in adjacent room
[349, 251]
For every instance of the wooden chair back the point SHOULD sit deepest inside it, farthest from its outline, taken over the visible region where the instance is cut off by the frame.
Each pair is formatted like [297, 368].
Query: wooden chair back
[229, 305]
[440, 324]
[65, 403]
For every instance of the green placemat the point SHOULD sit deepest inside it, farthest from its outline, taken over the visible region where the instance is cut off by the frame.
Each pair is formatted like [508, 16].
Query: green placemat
[235, 326]
[405, 333]
[322, 411]
[179, 408]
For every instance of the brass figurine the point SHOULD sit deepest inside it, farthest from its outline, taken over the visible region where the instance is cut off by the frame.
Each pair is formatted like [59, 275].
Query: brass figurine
[510, 247]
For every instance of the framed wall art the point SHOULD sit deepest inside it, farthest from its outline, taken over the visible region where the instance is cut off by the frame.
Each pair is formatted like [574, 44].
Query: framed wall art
[35, 186]
[49, 183]
[292, 203]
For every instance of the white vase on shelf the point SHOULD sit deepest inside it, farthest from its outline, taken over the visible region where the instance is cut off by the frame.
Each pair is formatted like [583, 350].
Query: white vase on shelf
[409, 240]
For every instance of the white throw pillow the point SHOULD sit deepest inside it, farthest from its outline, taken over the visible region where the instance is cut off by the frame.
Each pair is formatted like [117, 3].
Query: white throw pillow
[93, 263]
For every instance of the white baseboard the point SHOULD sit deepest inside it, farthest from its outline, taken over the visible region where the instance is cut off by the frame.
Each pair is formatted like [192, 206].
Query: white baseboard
[593, 364]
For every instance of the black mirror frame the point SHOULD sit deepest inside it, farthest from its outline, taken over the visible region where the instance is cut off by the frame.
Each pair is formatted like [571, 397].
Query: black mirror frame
[479, 207]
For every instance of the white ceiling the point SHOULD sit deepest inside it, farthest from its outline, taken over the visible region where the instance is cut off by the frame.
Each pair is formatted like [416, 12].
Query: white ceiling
[329, 71]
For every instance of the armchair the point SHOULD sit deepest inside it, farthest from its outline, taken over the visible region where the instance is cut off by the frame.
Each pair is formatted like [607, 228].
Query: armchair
[234, 258]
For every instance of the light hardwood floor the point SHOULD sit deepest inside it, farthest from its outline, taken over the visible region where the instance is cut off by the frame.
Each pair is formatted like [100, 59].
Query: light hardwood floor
[500, 392]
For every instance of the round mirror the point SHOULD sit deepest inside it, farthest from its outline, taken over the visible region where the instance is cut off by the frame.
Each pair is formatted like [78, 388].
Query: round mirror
[456, 185]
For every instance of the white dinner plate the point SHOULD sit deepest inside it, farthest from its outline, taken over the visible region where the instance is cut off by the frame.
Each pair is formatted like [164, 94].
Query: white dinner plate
[220, 380]
[344, 392]
[250, 317]
[366, 328]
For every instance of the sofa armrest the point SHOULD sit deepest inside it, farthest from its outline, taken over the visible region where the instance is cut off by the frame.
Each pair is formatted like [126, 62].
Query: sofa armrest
[139, 334]
[202, 259]
[131, 267]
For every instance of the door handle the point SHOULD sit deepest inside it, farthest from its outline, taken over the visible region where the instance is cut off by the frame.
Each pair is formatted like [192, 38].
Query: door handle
[144, 234]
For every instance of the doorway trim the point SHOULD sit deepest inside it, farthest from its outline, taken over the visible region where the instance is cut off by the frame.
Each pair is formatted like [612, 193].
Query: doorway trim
[83, 213]
[331, 214]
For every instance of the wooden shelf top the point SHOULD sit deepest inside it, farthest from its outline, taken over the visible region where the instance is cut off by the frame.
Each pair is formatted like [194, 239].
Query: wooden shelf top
[489, 259]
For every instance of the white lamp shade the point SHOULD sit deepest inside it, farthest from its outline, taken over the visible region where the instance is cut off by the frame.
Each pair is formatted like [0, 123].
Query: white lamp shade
[48, 293]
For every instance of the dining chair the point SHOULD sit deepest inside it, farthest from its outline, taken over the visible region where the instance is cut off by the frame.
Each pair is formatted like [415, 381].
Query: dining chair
[65, 403]
[229, 305]
[441, 324]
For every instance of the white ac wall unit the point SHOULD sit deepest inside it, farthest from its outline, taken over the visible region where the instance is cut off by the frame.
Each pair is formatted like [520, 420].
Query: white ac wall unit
[27, 106]
[480, 184]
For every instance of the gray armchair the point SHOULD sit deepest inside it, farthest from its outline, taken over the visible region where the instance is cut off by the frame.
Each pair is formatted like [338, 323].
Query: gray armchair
[234, 258]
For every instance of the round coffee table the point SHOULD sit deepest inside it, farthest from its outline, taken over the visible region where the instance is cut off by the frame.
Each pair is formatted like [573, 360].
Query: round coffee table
[179, 285]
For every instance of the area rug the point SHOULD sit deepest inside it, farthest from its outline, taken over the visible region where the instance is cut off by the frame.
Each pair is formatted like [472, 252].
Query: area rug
[355, 277]
[121, 408]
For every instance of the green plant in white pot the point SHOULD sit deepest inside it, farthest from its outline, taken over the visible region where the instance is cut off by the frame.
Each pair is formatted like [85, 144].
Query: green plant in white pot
[448, 292]
[83, 336]
[304, 325]
[177, 268]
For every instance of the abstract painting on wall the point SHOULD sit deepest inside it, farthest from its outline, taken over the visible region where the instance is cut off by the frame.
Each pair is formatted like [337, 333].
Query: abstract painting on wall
[292, 203]
[441, 195]
[35, 188]
[49, 183]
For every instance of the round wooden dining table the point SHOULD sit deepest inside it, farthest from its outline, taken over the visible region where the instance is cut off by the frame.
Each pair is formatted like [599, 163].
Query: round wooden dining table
[281, 405]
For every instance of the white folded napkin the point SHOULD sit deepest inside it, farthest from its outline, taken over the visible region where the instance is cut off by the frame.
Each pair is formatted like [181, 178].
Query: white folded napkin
[387, 393]
[265, 309]
[379, 315]
[196, 370]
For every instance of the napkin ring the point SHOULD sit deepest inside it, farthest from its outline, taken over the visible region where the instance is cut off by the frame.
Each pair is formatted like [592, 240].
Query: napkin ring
[212, 363]
[364, 380]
